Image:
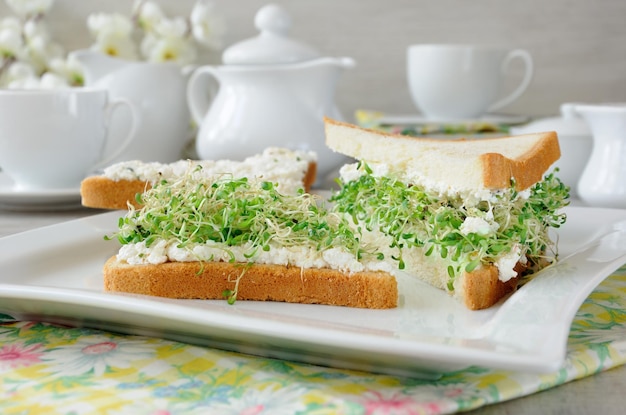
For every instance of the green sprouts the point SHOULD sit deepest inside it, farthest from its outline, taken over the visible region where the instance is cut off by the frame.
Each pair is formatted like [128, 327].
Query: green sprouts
[234, 213]
[253, 217]
[414, 217]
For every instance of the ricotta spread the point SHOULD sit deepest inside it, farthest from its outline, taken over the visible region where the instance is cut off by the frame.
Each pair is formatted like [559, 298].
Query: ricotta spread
[471, 197]
[477, 225]
[507, 263]
[282, 166]
[300, 256]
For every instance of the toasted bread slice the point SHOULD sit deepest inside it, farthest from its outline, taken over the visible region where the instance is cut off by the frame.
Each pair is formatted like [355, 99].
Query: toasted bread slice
[260, 282]
[120, 183]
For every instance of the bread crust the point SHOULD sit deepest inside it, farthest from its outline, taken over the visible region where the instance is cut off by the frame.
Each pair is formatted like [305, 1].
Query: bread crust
[260, 282]
[526, 170]
[482, 288]
[101, 192]
[497, 170]
[477, 290]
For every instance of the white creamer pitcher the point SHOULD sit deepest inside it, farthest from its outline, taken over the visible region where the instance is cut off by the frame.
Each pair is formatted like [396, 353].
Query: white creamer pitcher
[271, 91]
[603, 182]
[157, 90]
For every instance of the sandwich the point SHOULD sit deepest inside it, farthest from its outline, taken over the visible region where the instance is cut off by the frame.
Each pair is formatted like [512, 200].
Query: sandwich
[119, 184]
[193, 235]
[471, 217]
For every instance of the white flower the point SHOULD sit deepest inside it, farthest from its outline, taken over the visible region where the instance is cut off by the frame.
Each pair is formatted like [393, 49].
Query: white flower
[47, 81]
[169, 43]
[111, 43]
[24, 83]
[286, 400]
[41, 51]
[53, 81]
[207, 26]
[32, 81]
[113, 34]
[28, 8]
[164, 39]
[176, 27]
[148, 13]
[98, 354]
[597, 334]
[69, 68]
[11, 43]
[171, 49]
[104, 24]
[36, 28]
[12, 23]
[20, 75]
[19, 70]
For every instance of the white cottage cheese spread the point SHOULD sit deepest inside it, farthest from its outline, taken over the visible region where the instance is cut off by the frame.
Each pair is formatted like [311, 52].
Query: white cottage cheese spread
[300, 256]
[471, 197]
[507, 263]
[480, 226]
[282, 166]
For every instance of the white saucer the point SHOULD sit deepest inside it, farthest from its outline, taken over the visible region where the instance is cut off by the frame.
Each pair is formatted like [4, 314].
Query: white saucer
[420, 119]
[12, 198]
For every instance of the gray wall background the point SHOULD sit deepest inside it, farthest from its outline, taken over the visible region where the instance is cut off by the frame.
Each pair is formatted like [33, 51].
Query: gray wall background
[579, 46]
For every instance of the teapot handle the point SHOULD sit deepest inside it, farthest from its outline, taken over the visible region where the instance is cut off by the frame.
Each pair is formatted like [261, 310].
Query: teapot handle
[201, 89]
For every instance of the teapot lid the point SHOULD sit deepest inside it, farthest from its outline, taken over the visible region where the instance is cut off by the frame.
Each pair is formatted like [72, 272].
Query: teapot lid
[272, 45]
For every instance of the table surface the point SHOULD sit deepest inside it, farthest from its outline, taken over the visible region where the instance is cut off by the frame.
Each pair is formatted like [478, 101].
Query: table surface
[601, 393]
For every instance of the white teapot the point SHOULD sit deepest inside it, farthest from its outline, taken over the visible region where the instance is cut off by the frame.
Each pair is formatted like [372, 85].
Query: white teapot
[157, 90]
[273, 91]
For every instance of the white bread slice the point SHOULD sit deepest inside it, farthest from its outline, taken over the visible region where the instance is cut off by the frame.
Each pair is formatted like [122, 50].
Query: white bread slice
[260, 282]
[488, 163]
[121, 182]
[477, 290]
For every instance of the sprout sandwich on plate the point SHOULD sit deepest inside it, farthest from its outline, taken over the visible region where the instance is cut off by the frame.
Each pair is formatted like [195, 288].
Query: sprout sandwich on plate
[244, 237]
[121, 182]
[471, 217]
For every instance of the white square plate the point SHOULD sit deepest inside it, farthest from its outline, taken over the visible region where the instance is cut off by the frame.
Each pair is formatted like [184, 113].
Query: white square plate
[55, 274]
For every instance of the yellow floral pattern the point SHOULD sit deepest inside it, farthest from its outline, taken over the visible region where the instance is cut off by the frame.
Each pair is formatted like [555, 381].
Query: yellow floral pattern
[50, 369]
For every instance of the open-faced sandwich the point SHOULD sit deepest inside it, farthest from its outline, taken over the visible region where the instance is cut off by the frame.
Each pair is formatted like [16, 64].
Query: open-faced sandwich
[121, 182]
[246, 237]
[471, 217]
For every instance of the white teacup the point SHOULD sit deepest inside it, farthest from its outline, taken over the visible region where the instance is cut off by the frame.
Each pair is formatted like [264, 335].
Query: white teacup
[52, 139]
[462, 81]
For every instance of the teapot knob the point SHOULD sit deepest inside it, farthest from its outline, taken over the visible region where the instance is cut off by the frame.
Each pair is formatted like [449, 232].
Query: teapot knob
[272, 45]
[274, 19]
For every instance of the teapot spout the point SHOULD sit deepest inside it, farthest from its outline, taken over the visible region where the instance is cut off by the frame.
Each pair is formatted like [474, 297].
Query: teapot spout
[96, 65]
[345, 62]
[341, 63]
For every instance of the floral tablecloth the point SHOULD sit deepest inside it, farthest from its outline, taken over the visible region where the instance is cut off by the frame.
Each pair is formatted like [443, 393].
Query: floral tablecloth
[50, 369]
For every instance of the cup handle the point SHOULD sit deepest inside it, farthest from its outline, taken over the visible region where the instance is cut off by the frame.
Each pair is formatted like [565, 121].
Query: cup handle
[199, 101]
[528, 75]
[134, 113]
